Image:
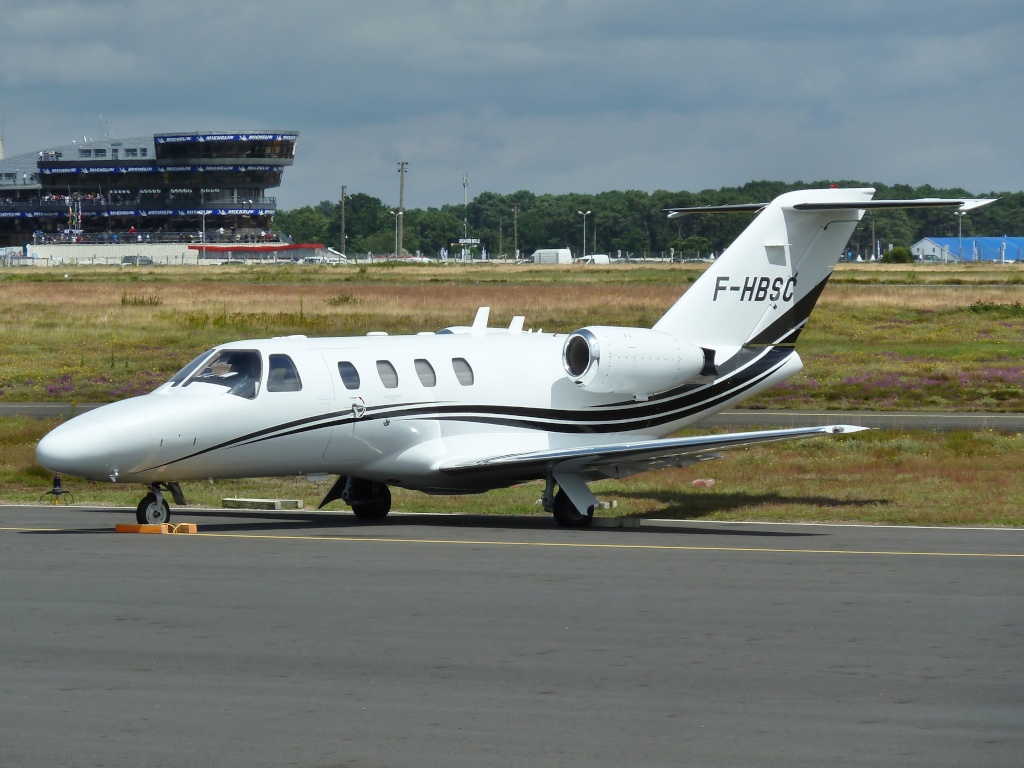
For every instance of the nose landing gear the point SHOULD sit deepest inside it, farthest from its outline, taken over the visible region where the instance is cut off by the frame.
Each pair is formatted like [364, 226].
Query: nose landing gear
[153, 509]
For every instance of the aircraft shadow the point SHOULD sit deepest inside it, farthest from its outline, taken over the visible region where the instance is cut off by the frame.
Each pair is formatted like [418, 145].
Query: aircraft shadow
[265, 522]
[672, 506]
[256, 521]
[694, 507]
[342, 519]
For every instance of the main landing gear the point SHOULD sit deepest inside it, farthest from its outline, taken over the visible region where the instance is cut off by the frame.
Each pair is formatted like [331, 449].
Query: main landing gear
[374, 503]
[153, 509]
[565, 511]
[369, 499]
[567, 515]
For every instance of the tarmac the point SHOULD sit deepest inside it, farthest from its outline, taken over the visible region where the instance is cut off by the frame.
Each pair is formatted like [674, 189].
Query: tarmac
[308, 639]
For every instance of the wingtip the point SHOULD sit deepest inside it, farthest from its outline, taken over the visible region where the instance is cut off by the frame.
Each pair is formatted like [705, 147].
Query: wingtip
[846, 429]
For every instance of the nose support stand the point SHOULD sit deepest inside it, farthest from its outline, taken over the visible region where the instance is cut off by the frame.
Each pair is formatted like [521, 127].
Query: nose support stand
[58, 494]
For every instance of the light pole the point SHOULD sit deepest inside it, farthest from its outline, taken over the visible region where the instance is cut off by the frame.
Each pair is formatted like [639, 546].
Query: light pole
[344, 249]
[584, 215]
[515, 230]
[465, 212]
[960, 231]
[402, 165]
[398, 218]
[202, 235]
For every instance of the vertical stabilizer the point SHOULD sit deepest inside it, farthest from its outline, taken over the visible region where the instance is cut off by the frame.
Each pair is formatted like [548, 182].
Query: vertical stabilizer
[762, 289]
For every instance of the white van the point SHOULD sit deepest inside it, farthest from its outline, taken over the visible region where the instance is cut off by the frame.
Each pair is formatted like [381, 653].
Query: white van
[552, 256]
[595, 258]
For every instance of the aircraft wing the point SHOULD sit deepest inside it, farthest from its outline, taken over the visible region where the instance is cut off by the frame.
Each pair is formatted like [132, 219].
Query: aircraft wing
[629, 458]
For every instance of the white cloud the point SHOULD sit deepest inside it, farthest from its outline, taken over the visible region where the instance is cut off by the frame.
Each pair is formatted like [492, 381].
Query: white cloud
[547, 95]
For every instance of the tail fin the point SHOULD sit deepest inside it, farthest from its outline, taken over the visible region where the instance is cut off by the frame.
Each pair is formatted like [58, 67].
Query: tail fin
[762, 289]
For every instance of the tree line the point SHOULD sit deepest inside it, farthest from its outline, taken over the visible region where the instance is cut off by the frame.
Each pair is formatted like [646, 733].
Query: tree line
[627, 222]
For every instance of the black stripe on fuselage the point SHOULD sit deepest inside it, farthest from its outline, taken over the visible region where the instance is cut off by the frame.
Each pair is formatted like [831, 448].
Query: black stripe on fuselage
[793, 320]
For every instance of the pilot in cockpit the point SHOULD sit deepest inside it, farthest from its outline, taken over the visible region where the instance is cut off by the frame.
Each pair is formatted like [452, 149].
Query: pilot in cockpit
[238, 370]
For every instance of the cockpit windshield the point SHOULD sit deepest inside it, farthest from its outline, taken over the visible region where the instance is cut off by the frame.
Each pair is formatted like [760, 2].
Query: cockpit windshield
[237, 369]
[185, 372]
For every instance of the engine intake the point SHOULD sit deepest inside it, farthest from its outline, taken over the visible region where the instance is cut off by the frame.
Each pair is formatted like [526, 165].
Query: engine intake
[634, 361]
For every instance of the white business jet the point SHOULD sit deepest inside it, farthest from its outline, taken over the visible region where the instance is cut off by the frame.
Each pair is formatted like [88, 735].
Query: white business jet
[469, 409]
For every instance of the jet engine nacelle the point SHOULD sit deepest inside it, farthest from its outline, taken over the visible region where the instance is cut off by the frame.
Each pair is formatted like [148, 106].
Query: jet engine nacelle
[634, 361]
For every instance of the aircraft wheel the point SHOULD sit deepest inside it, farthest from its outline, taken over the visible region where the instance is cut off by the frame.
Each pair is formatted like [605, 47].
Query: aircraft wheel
[374, 506]
[152, 510]
[566, 513]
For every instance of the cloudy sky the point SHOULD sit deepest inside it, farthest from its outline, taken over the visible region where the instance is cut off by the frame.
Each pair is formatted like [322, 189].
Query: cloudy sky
[546, 95]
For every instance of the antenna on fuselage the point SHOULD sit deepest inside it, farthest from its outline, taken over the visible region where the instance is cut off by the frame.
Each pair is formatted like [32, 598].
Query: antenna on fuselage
[480, 321]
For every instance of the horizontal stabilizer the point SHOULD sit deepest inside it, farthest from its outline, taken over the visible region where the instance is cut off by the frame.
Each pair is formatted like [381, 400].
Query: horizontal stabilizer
[741, 208]
[965, 204]
[924, 202]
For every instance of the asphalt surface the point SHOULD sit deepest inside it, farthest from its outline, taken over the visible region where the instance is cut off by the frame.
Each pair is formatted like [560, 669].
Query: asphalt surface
[738, 418]
[276, 639]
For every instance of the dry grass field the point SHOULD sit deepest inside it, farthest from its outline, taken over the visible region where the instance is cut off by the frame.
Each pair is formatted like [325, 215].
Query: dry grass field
[102, 334]
[896, 337]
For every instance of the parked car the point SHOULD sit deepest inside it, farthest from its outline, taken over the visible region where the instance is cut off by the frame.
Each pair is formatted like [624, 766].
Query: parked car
[136, 261]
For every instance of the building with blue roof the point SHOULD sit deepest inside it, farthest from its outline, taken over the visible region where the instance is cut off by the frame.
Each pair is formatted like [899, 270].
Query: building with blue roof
[969, 249]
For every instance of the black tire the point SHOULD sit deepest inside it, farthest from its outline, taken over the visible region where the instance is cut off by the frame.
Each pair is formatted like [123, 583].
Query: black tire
[566, 513]
[374, 506]
[152, 510]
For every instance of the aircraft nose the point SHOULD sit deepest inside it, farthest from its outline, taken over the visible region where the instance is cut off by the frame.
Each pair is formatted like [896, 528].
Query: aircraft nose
[76, 450]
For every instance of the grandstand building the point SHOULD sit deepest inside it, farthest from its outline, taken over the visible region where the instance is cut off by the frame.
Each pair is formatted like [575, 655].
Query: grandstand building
[169, 188]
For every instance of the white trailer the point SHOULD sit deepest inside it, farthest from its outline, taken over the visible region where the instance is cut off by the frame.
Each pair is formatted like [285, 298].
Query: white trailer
[552, 256]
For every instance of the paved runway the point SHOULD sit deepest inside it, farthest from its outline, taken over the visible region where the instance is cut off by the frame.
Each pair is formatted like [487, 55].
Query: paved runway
[310, 640]
[739, 418]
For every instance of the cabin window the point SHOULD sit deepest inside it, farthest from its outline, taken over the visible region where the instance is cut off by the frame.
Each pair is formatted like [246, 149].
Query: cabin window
[185, 372]
[426, 373]
[283, 377]
[463, 372]
[388, 374]
[349, 375]
[237, 369]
